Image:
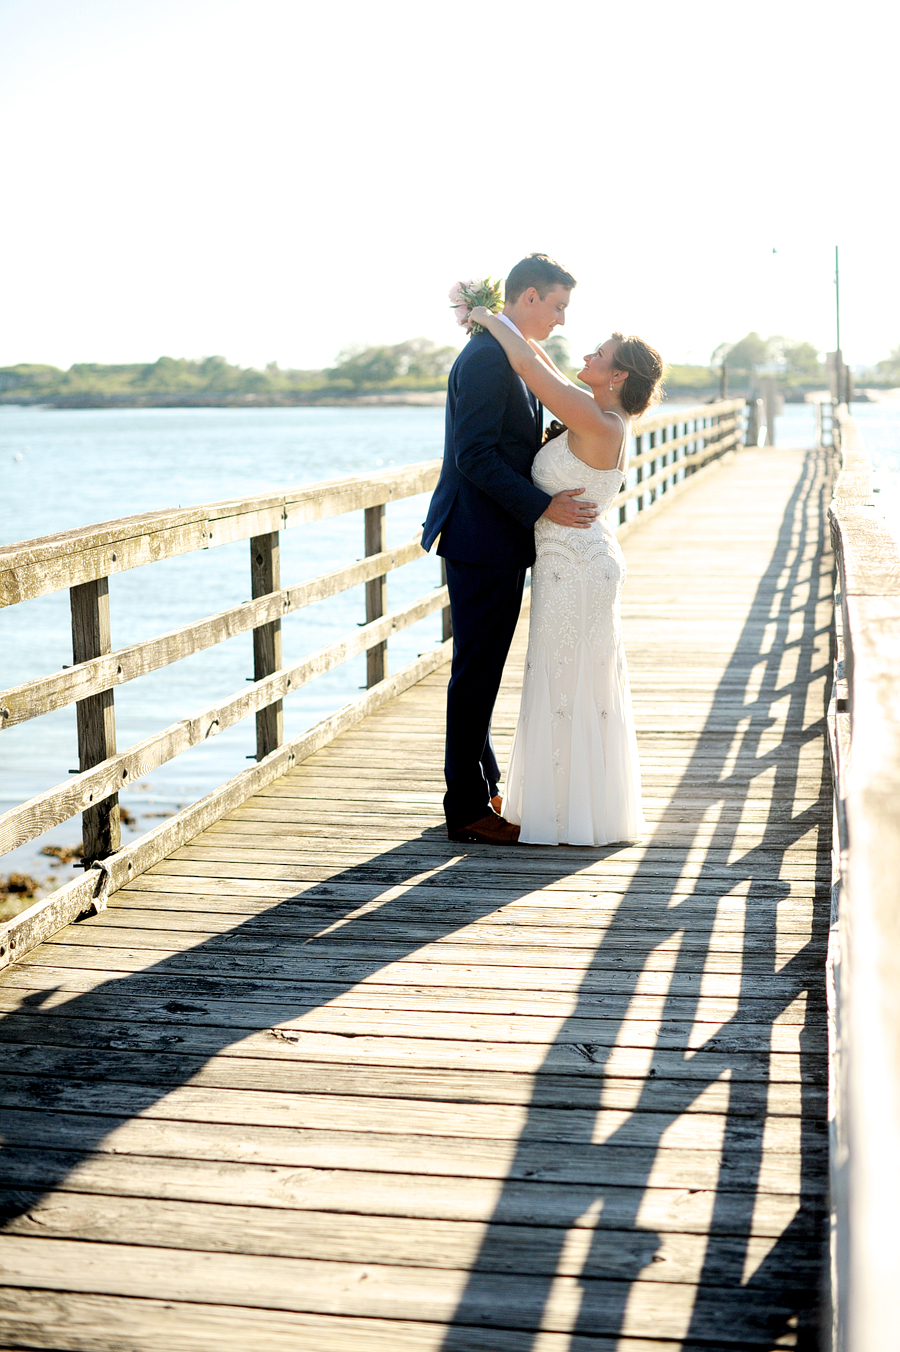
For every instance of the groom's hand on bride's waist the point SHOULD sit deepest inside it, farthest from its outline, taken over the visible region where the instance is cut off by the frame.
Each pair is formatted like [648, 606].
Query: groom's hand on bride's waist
[565, 510]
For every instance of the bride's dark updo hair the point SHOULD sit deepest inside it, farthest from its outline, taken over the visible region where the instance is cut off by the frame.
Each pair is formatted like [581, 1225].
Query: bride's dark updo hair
[641, 387]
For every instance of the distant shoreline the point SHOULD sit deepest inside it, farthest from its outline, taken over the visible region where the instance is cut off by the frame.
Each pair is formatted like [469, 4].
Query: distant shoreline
[395, 398]
[368, 399]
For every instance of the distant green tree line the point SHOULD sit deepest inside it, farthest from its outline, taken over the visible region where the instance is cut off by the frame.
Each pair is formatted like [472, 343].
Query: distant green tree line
[796, 365]
[416, 364]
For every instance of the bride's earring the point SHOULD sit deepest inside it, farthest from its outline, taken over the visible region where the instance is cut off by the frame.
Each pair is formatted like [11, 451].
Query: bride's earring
[611, 385]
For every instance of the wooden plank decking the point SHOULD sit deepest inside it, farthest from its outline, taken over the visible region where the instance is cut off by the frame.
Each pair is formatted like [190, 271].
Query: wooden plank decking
[323, 1082]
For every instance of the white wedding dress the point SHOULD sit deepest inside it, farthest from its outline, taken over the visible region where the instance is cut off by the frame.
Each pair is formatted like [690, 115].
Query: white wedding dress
[574, 776]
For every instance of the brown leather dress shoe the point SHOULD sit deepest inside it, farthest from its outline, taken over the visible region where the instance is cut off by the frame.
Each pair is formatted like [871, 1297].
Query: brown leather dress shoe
[489, 830]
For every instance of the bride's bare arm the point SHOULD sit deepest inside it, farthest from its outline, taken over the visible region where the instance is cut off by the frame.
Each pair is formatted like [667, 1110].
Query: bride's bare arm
[565, 401]
[546, 358]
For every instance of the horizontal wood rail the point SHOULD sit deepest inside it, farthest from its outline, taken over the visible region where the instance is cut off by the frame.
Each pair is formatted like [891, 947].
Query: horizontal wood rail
[665, 421]
[46, 693]
[670, 448]
[52, 562]
[864, 948]
[710, 434]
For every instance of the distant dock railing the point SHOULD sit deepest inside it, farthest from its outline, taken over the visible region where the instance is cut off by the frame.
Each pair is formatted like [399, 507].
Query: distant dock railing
[671, 449]
[864, 948]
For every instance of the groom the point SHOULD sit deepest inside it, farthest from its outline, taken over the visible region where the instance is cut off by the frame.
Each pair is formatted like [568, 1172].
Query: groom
[484, 509]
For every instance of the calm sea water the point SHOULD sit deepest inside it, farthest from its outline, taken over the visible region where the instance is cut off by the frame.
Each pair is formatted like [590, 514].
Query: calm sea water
[62, 469]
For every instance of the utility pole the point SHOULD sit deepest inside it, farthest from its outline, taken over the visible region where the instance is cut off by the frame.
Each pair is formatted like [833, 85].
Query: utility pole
[842, 382]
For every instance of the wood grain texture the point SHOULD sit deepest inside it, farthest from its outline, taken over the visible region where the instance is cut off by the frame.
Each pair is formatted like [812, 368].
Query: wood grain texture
[376, 593]
[265, 578]
[321, 1079]
[95, 716]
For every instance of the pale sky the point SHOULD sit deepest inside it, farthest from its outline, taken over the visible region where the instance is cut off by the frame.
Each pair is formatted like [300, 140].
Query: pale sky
[271, 179]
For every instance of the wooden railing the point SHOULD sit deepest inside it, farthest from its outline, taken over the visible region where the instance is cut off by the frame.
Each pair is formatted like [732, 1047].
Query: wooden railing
[864, 946]
[670, 449]
[83, 561]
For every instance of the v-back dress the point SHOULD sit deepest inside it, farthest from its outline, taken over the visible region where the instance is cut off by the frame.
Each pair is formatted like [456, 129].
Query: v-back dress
[574, 776]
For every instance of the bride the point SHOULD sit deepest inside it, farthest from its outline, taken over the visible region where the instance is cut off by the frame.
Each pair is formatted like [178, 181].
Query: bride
[573, 775]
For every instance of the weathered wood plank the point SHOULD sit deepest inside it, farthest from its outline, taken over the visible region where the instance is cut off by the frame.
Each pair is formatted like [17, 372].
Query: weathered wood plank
[452, 1035]
[398, 1241]
[218, 979]
[216, 1164]
[774, 995]
[308, 1285]
[93, 1323]
[355, 960]
[553, 925]
[424, 1067]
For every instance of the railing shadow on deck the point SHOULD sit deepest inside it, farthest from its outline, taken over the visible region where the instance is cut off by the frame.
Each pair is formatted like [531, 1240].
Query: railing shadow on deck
[616, 1243]
[47, 1136]
[65, 1087]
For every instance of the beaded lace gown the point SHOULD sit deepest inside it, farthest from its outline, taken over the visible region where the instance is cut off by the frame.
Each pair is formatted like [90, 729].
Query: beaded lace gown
[574, 776]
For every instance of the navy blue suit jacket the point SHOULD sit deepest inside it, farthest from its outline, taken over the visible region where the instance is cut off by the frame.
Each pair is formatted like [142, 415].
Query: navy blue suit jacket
[484, 506]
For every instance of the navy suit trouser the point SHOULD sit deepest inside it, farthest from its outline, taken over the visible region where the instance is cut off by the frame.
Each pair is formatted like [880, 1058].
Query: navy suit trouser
[484, 606]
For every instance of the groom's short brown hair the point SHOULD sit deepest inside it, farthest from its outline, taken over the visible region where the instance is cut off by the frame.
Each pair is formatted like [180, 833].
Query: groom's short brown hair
[539, 271]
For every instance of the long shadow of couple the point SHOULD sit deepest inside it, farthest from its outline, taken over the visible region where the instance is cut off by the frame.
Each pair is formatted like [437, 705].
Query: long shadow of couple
[587, 1168]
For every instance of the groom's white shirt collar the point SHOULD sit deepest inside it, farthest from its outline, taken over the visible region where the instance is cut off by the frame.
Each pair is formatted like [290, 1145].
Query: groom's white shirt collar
[510, 325]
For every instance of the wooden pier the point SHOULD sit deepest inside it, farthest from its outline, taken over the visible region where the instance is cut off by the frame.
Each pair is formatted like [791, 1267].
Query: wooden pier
[321, 1081]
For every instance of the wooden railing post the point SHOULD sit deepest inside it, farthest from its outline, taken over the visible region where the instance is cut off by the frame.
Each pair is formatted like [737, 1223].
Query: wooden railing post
[376, 595]
[96, 716]
[446, 621]
[751, 435]
[265, 575]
